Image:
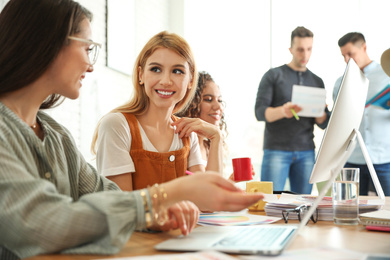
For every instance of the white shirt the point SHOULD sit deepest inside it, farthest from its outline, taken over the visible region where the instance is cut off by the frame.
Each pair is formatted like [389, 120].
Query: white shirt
[114, 144]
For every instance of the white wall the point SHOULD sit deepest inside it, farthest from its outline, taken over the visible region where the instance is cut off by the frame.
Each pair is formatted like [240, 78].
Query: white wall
[238, 41]
[232, 44]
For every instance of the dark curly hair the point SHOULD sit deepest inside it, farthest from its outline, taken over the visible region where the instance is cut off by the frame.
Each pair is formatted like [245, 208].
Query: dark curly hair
[193, 109]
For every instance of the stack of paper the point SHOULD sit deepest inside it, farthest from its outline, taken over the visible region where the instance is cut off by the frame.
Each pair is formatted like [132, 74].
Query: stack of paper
[291, 201]
[325, 208]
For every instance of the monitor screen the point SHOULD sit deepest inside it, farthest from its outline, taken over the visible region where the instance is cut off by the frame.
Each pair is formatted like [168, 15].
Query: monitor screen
[347, 113]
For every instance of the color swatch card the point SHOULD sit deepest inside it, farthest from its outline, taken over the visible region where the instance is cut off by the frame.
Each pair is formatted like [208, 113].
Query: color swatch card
[241, 218]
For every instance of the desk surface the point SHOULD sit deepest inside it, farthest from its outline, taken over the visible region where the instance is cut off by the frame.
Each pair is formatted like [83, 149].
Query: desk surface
[323, 233]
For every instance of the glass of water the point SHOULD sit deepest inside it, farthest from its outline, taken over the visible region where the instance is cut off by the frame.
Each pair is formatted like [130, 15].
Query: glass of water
[345, 196]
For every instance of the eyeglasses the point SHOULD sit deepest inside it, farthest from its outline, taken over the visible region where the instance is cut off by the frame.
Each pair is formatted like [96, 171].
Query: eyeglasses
[93, 50]
[301, 212]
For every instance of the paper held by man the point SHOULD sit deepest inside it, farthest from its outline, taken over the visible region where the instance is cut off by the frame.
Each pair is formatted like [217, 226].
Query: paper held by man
[311, 100]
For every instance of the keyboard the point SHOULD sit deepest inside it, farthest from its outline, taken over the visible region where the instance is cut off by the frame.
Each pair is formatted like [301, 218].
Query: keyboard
[252, 236]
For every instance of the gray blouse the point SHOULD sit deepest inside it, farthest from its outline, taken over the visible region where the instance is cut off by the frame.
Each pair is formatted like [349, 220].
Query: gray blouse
[51, 199]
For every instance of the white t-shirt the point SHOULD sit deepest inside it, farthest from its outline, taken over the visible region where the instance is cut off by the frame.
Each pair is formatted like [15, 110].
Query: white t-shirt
[114, 144]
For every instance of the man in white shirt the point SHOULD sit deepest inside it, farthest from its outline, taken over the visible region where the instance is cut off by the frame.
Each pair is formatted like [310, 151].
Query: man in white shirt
[375, 125]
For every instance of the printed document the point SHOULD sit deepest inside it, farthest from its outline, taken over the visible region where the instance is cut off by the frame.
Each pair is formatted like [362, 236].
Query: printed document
[311, 100]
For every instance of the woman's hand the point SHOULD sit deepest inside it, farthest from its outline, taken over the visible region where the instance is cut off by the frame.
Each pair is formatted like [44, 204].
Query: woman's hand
[185, 126]
[210, 192]
[183, 215]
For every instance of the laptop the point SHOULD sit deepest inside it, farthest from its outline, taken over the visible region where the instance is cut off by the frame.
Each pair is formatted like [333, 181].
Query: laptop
[257, 239]
[268, 240]
[262, 239]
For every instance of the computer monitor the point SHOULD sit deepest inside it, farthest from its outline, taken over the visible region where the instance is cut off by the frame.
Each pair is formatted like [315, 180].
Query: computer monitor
[342, 132]
[346, 116]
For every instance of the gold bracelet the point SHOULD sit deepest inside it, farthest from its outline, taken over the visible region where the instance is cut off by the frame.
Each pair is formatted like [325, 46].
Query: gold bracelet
[163, 215]
[148, 217]
[160, 215]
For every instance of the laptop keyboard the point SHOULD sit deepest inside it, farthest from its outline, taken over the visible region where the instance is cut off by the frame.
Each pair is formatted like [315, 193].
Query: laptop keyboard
[253, 236]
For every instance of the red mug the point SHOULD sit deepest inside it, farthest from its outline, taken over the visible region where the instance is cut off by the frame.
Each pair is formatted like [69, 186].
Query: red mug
[242, 169]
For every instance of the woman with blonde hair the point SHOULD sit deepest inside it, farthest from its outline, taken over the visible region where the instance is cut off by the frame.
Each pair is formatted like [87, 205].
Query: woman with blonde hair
[141, 142]
[164, 79]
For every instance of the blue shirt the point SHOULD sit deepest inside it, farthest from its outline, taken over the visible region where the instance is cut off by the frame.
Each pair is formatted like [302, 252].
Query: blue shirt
[375, 125]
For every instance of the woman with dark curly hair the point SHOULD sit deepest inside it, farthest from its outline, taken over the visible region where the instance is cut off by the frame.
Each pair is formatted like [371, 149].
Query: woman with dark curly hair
[207, 105]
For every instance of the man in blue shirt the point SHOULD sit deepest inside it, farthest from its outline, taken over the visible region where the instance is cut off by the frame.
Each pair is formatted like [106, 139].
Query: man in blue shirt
[375, 126]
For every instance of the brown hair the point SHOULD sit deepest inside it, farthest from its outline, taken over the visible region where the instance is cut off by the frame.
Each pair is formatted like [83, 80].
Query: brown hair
[352, 37]
[301, 32]
[32, 33]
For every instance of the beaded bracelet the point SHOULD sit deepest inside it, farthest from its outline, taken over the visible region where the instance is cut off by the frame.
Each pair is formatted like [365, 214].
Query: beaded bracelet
[158, 195]
[148, 214]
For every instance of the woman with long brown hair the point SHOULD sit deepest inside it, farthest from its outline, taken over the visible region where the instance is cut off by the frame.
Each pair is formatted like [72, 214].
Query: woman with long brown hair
[52, 200]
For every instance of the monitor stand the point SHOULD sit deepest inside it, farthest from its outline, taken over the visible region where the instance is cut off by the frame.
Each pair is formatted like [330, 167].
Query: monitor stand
[336, 171]
[355, 135]
[374, 177]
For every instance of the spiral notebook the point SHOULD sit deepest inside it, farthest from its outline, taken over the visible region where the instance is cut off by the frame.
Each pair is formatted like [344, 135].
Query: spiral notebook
[376, 218]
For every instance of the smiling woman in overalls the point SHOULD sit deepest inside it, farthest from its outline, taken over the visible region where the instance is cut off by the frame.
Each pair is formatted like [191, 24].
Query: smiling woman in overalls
[142, 143]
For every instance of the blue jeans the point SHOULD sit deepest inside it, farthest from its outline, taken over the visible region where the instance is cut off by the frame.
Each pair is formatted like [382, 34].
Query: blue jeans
[382, 171]
[297, 165]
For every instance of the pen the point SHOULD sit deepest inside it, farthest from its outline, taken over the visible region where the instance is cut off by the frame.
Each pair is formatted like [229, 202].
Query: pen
[189, 173]
[295, 114]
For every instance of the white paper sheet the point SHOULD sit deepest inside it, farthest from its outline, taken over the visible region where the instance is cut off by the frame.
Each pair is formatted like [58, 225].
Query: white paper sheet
[311, 100]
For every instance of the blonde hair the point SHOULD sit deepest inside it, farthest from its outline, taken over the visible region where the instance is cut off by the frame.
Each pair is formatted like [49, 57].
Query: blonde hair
[139, 101]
